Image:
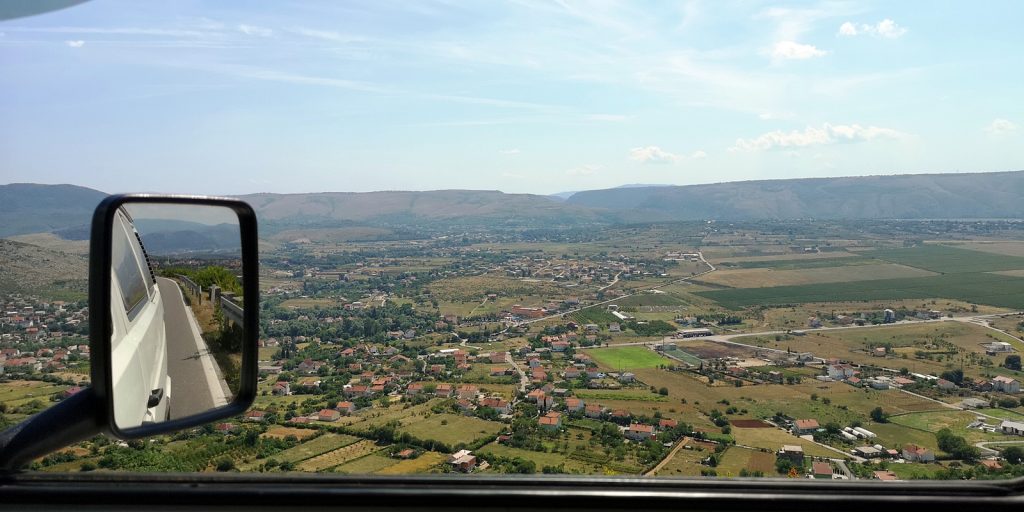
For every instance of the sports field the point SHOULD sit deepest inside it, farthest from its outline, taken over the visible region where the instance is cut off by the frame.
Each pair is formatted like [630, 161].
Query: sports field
[627, 358]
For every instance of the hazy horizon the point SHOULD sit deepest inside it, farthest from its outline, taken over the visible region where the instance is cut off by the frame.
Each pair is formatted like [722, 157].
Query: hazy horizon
[562, 192]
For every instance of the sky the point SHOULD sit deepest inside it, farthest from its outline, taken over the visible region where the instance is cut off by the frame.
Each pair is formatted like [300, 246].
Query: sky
[520, 96]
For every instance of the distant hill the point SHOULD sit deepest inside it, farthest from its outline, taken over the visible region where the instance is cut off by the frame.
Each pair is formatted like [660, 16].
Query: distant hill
[916, 196]
[452, 207]
[31, 208]
[65, 210]
[26, 268]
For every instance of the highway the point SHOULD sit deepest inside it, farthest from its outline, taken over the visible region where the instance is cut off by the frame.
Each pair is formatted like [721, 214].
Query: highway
[196, 383]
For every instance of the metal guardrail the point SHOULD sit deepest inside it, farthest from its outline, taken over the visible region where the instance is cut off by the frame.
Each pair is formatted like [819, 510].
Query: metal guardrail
[231, 310]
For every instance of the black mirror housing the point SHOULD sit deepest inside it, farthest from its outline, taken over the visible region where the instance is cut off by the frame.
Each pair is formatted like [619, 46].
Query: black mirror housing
[101, 321]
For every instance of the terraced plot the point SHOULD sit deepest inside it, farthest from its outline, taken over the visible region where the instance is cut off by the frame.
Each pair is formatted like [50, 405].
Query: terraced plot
[323, 444]
[422, 464]
[365, 465]
[340, 456]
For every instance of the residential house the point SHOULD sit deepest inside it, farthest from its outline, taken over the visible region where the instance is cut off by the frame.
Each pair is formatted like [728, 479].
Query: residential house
[443, 390]
[467, 391]
[794, 453]
[414, 389]
[1006, 384]
[346, 407]
[309, 366]
[639, 432]
[282, 388]
[1013, 428]
[500, 405]
[946, 385]
[255, 415]
[462, 460]
[841, 371]
[667, 423]
[805, 426]
[328, 415]
[551, 421]
[593, 411]
[915, 453]
[821, 470]
[573, 404]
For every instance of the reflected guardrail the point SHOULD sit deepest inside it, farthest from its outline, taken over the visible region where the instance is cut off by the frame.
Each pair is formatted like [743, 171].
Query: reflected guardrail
[229, 305]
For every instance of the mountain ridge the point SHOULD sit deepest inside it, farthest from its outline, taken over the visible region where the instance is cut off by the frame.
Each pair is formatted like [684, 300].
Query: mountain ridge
[65, 210]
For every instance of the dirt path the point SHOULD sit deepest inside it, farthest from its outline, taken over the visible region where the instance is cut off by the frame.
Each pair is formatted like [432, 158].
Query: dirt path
[654, 471]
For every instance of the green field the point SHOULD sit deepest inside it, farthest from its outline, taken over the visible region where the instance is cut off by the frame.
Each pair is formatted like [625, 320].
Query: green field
[980, 288]
[595, 315]
[627, 358]
[452, 429]
[685, 356]
[799, 264]
[949, 260]
[650, 299]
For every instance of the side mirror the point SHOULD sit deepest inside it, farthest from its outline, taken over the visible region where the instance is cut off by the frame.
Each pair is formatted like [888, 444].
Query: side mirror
[173, 324]
[173, 311]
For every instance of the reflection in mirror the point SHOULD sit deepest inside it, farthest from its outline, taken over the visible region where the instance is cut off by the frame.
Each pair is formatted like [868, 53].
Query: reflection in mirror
[176, 311]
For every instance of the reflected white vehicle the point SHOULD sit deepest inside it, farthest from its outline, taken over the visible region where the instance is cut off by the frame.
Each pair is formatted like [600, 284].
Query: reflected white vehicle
[141, 384]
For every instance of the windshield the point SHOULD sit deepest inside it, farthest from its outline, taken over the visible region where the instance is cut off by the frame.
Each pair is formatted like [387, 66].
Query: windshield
[689, 239]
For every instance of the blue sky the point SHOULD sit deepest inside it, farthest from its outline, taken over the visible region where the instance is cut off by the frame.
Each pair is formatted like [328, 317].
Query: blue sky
[521, 96]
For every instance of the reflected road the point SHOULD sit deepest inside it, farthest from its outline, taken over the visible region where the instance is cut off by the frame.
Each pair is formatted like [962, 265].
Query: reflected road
[196, 382]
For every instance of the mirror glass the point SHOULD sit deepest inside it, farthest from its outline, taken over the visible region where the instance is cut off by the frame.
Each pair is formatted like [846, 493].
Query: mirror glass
[176, 311]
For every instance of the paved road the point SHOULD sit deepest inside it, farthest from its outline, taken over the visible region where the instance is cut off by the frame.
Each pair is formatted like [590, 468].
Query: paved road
[196, 384]
[524, 381]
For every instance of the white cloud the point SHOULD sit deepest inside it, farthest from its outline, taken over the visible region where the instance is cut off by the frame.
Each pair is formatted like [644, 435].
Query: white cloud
[1001, 127]
[583, 170]
[75, 44]
[794, 50]
[607, 117]
[699, 154]
[513, 151]
[327, 35]
[653, 155]
[252, 30]
[827, 134]
[886, 28]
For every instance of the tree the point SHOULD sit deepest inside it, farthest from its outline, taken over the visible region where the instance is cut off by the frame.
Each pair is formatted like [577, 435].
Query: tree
[878, 415]
[1014, 454]
[663, 391]
[1012, 362]
[954, 376]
